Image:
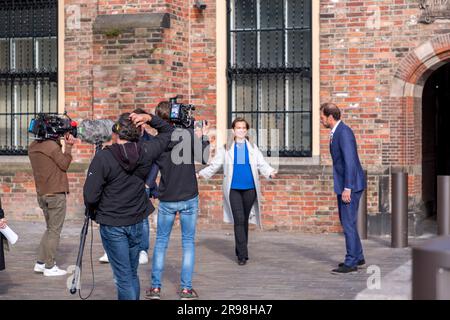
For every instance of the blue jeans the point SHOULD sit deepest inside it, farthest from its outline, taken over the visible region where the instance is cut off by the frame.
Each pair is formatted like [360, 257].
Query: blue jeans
[188, 219]
[122, 247]
[145, 242]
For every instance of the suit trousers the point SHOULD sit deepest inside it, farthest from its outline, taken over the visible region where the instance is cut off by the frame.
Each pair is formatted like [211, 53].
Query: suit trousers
[348, 215]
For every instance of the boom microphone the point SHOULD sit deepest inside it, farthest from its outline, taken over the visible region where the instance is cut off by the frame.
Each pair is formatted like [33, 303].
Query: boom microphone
[95, 131]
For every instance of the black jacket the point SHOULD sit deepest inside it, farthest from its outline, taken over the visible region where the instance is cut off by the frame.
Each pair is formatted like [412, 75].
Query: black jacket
[115, 187]
[178, 179]
[2, 238]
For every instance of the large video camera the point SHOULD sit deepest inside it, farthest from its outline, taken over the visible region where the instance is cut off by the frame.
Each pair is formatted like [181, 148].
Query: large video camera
[48, 126]
[181, 114]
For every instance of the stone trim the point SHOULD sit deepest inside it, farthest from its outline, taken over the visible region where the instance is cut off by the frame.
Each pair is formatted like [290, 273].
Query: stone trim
[108, 22]
[11, 168]
[411, 74]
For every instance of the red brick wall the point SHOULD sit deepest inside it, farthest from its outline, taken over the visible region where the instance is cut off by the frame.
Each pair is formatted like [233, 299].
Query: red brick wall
[78, 68]
[291, 203]
[361, 57]
[362, 60]
[359, 64]
[19, 194]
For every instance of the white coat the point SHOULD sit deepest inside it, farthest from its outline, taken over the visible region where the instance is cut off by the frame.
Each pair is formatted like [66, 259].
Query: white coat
[225, 158]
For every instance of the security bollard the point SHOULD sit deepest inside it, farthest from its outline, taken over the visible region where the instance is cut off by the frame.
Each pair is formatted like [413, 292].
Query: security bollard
[399, 223]
[443, 205]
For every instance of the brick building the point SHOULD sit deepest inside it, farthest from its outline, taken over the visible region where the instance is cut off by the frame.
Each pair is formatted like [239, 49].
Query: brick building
[273, 61]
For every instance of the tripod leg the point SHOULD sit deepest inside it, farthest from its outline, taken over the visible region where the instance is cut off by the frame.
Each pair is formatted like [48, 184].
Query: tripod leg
[77, 273]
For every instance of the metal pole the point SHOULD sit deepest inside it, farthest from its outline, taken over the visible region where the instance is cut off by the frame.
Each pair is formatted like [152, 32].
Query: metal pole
[431, 270]
[443, 205]
[399, 225]
[362, 214]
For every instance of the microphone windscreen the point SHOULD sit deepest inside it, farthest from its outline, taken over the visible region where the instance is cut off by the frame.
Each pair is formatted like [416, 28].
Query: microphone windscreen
[95, 131]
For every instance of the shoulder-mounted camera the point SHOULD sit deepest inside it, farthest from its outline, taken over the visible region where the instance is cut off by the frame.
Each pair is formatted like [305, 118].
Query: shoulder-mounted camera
[181, 114]
[50, 126]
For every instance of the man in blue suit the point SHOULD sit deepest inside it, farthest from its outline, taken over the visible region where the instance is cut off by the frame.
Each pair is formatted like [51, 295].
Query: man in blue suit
[349, 183]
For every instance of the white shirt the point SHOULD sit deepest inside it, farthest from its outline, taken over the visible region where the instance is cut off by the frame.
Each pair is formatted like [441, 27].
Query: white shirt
[334, 129]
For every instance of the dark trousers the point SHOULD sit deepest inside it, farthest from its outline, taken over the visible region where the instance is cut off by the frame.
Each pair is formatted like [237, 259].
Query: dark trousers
[2, 255]
[348, 214]
[241, 202]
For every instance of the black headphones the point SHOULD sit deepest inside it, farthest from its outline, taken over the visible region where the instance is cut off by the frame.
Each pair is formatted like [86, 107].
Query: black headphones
[116, 128]
[120, 130]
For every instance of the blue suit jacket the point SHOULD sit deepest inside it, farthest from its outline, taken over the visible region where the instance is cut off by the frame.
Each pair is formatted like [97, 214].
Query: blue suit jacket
[347, 170]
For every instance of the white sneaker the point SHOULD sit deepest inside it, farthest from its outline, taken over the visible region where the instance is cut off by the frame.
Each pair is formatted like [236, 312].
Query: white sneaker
[55, 271]
[39, 267]
[104, 258]
[143, 257]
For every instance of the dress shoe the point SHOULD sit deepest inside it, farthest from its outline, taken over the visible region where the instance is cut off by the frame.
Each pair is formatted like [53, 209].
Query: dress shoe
[344, 269]
[360, 263]
[242, 262]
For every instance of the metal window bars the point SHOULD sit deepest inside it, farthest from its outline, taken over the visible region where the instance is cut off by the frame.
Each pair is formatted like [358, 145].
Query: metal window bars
[28, 68]
[269, 72]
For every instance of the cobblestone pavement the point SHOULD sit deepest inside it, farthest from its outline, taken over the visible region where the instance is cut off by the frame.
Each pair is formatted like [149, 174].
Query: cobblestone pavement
[281, 266]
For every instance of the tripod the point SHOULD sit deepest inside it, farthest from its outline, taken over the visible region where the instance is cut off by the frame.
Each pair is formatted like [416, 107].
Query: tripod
[77, 273]
[88, 215]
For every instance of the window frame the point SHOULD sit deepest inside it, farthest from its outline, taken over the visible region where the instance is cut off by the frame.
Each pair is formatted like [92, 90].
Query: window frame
[286, 111]
[36, 77]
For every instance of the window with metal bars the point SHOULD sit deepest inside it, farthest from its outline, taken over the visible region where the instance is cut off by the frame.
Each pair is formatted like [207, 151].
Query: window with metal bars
[28, 68]
[269, 72]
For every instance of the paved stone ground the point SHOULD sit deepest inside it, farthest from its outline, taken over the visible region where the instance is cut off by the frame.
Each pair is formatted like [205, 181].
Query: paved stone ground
[281, 266]
[394, 286]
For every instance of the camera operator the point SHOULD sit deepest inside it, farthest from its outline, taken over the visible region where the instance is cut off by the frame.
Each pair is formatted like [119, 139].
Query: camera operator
[50, 165]
[178, 192]
[151, 188]
[115, 191]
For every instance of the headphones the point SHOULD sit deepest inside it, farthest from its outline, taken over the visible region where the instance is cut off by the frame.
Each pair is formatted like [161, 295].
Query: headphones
[116, 128]
[120, 130]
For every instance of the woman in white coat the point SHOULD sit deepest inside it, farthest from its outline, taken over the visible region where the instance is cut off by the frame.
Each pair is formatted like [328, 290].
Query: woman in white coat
[2, 238]
[241, 160]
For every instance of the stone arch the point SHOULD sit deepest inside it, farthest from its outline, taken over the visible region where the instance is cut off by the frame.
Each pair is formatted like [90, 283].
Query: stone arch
[406, 92]
[418, 65]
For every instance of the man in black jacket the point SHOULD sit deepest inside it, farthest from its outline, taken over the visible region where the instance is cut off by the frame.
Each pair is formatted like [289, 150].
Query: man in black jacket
[115, 190]
[178, 192]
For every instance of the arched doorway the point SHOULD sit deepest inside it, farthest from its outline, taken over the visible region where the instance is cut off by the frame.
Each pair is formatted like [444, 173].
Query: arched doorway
[435, 134]
[419, 137]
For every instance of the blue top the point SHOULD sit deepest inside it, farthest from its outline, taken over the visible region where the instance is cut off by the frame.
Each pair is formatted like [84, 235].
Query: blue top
[242, 172]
